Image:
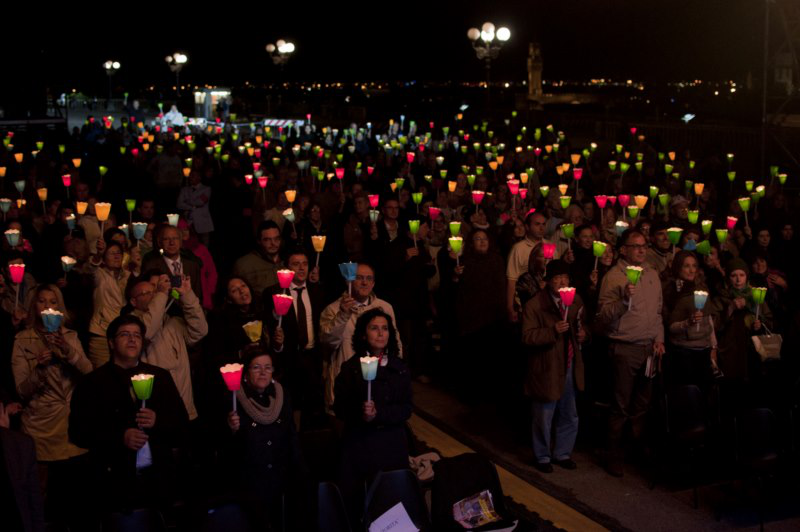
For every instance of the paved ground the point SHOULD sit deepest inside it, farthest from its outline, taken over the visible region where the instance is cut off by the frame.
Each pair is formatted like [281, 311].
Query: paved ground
[589, 498]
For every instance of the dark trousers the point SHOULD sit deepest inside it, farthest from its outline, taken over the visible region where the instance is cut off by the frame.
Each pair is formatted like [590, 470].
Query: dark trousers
[632, 390]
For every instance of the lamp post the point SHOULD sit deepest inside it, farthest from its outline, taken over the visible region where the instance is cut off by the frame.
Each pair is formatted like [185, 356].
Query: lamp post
[487, 44]
[175, 63]
[280, 52]
[111, 68]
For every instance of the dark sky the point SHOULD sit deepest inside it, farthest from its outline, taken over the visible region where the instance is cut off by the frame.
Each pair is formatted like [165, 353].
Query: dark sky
[642, 39]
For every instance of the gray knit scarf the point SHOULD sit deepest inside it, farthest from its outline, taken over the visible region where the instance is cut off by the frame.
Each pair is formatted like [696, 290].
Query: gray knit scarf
[263, 415]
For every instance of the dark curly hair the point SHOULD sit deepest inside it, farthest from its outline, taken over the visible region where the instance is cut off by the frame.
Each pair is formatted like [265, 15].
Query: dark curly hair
[360, 346]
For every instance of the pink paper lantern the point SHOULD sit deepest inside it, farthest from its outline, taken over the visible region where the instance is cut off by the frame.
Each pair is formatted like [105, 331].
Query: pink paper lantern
[523, 193]
[410, 157]
[282, 303]
[262, 181]
[613, 200]
[233, 379]
[285, 278]
[633, 131]
[370, 169]
[513, 187]
[477, 196]
[256, 167]
[135, 152]
[567, 295]
[624, 199]
[537, 150]
[732, 222]
[248, 178]
[548, 250]
[340, 173]
[374, 199]
[257, 153]
[601, 200]
[434, 212]
[17, 272]
[66, 179]
[577, 173]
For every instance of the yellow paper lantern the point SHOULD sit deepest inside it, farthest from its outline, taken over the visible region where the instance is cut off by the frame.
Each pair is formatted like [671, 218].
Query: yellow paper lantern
[451, 186]
[698, 188]
[641, 201]
[290, 195]
[18, 157]
[186, 172]
[76, 162]
[81, 207]
[493, 165]
[576, 157]
[42, 192]
[563, 188]
[524, 178]
[500, 159]
[2, 171]
[318, 241]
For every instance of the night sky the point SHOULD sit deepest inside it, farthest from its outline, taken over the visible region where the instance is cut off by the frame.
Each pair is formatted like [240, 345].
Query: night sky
[640, 39]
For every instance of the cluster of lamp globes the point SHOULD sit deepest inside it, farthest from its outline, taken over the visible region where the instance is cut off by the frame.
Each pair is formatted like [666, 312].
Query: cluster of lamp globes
[488, 34]
[281, 46]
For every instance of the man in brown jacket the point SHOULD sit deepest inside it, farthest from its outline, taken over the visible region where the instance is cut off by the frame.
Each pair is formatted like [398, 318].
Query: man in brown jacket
[631, 316]
[555, 368]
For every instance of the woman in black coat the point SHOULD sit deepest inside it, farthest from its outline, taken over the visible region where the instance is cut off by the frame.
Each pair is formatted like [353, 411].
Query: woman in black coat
[374, 437]
[265, 445]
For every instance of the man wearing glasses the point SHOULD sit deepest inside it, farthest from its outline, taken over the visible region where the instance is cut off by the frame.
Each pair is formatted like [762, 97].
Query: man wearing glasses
[130, 444]
[338, 321]
[171, 259]
[630, 313]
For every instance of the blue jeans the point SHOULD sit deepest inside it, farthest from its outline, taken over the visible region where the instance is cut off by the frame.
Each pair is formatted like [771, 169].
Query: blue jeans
[565, 414]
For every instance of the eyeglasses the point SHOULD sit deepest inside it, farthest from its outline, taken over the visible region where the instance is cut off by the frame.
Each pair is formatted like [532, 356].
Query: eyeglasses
[258, 368]
[367, 278]
[128, 335]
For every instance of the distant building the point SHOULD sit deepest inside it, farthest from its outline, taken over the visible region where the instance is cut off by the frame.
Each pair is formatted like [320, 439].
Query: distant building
[535, 66]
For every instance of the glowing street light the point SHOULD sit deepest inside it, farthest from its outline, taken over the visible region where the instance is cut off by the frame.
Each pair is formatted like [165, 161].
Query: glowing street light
[176, 62]
[280, 51]
[111, 68]
[487, 43]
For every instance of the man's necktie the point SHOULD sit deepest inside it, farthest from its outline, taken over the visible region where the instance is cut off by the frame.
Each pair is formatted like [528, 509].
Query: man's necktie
[302, 326]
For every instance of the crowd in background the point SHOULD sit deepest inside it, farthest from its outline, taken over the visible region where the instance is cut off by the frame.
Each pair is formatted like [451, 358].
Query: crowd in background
[462, 239]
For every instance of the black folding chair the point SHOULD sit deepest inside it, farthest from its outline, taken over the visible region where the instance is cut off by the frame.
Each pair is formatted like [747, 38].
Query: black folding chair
[332, 515]
[391, 487]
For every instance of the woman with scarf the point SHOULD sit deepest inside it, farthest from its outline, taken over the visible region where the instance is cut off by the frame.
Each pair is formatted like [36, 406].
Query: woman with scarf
[691, 342]
[265, 445]
[46, 366]
[734, 315]
[374, 437]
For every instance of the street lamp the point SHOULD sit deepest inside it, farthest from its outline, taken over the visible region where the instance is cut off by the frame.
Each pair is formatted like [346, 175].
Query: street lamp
[487, 44]
[111, 68]
[175, 63]
[280, 52]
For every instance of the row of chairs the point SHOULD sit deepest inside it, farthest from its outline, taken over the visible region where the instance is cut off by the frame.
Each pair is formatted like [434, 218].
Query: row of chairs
[455, 479]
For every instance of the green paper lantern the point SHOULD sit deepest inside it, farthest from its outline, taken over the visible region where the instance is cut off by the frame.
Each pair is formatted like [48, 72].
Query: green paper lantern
[417, 198]
[400, 181]
[413, 226]
[633, 273]
[471, 179]
[624, 167]
[653, 191]
[568, 230]
[599, 248]
[565, 201]
[130, 204]
[544, 190]
[103, 170]
[663, 199]
[744, 203]
[759, 294]
[633, 211]
[612, 165]
[143, 386]
[674, 235]
[706, 225]
[748, 186]
[455, 228]
[722, 235]
[704, 248]
[693, 216]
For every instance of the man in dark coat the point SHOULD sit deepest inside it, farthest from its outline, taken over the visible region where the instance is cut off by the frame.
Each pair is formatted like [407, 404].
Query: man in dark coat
[130, 441]
[555, 368]
[299, 357]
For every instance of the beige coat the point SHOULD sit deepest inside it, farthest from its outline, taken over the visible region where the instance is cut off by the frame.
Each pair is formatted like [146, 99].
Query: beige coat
[336, 333]
[47, 390]
[109, 298]
[168, 337]
[641, 323]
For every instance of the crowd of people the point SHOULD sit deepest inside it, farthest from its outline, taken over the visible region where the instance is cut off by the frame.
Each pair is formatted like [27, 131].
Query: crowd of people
[561, 275]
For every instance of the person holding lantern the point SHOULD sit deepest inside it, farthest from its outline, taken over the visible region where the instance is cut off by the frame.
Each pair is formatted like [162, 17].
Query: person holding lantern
[169, 336]
[659, 253]
[47, 362]
[338, 322]
[106, 419]
[535, 224]
[110, 281]
[265, 446]
[690, 333]
[297, 350]
[174, 260]
[629, 311]
[737, 316]
[374, 437]
[553, 326]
